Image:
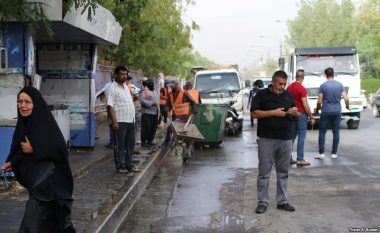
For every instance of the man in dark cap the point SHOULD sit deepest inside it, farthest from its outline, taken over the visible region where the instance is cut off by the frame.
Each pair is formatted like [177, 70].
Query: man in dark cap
[192, 92]
[179, 105]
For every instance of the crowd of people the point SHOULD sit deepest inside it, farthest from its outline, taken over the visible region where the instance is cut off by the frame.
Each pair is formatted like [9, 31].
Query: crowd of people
[39, 155]
[135, 116]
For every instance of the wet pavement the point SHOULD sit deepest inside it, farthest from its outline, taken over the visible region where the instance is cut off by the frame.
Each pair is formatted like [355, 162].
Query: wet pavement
[96, 185]
[216, 190]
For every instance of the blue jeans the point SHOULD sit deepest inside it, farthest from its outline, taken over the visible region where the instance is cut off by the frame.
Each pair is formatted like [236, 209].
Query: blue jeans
[299, 129]
[327, 118]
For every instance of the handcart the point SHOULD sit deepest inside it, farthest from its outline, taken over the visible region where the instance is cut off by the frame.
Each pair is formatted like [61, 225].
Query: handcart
[183, 138]
[8, 186]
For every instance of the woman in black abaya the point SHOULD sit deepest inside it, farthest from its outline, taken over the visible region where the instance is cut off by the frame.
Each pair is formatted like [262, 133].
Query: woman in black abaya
[39, 160]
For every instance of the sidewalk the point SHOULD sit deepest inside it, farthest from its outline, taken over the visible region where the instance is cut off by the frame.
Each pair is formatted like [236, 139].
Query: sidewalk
[102, 197]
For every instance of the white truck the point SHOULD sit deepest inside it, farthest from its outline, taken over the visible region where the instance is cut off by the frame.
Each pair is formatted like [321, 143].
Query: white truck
[221, 86]
[344, 61]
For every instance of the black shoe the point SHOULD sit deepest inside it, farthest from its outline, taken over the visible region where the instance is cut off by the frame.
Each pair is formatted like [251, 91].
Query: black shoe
[144, 144]
[293, 161]
[133, 168]
[151, 143]
[286, 207]
[260, 209]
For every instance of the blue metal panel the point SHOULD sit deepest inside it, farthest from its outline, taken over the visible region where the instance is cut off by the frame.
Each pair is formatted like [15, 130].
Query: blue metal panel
[6, 134]
[84, 137]
[13, 40]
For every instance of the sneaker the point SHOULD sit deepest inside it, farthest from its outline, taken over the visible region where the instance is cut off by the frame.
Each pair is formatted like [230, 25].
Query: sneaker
[122, 170]
[260, 209]
[292, 161]
[303, 163]
[286, 207]
[133, 168]
[319, 156]
[334, 156]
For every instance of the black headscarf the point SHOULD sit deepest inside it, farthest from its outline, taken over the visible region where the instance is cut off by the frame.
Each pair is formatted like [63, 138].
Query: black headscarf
[50, 156]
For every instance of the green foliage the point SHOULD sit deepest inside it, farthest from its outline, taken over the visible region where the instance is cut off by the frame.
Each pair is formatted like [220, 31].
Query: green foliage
[88, 5]
[154, 38]
[369, 24]
[323, 23]
[370, 85]
[24, 11]
[193, 59]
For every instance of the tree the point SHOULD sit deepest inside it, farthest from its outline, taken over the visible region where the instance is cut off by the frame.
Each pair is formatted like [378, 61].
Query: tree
[154, 38]
[369, 24]
[323, 23]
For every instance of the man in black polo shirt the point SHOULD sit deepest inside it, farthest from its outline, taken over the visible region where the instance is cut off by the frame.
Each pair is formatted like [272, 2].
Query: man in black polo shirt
[275, 110]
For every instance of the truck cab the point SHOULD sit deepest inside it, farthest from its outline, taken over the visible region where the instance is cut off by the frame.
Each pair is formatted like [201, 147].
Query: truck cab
[222, 86]
[344, 61]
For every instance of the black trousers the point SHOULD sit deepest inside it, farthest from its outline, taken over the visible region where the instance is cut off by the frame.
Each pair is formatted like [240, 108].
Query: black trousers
[163, 114]
[47, 216]
[149, 125]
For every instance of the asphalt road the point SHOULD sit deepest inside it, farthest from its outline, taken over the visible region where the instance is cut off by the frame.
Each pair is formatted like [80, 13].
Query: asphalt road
[216, 190]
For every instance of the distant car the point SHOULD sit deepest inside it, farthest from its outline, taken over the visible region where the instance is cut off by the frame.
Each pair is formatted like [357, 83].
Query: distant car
[375, 103]
[266, 80]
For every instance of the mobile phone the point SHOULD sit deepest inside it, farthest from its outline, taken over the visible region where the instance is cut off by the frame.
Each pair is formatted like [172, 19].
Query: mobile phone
[285, 109]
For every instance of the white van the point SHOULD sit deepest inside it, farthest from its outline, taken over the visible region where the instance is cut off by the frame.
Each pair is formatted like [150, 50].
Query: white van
[221, 86]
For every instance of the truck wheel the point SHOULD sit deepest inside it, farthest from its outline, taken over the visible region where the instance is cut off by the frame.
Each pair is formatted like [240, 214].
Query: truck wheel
[351, 124]
[375, 111]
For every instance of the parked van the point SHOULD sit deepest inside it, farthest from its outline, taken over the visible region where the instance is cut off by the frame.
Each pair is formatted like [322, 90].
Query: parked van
[221, 86]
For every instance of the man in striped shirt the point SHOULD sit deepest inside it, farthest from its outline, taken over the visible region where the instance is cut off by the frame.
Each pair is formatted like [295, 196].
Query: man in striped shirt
[121, 109]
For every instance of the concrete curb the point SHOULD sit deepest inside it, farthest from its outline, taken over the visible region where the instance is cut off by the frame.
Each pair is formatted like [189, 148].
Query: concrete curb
[111, 216]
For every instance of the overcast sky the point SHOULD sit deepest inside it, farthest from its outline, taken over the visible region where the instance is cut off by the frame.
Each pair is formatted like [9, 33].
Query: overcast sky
[230, 30]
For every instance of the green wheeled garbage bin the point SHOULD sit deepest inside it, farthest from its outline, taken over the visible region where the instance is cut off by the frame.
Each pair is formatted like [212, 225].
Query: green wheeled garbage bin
[210, 121]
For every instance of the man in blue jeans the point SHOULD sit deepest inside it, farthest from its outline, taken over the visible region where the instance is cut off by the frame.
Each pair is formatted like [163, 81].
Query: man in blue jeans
[330, 93]
[299, 93]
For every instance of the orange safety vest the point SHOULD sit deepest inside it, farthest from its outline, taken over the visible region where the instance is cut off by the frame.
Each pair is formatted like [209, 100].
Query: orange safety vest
[194, 95]
[179, 108]
[165, 97]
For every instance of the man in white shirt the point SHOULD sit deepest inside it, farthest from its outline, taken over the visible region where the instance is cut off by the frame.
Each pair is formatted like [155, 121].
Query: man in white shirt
[121, 110]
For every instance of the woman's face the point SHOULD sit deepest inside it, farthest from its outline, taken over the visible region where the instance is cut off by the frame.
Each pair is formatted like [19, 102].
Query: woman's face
[25, 104]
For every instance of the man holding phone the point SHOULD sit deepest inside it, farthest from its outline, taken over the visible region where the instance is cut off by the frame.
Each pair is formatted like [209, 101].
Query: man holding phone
[275, 109]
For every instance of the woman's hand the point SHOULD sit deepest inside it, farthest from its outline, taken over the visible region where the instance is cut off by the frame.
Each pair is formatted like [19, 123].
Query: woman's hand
[26, 147]
[6, 166]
